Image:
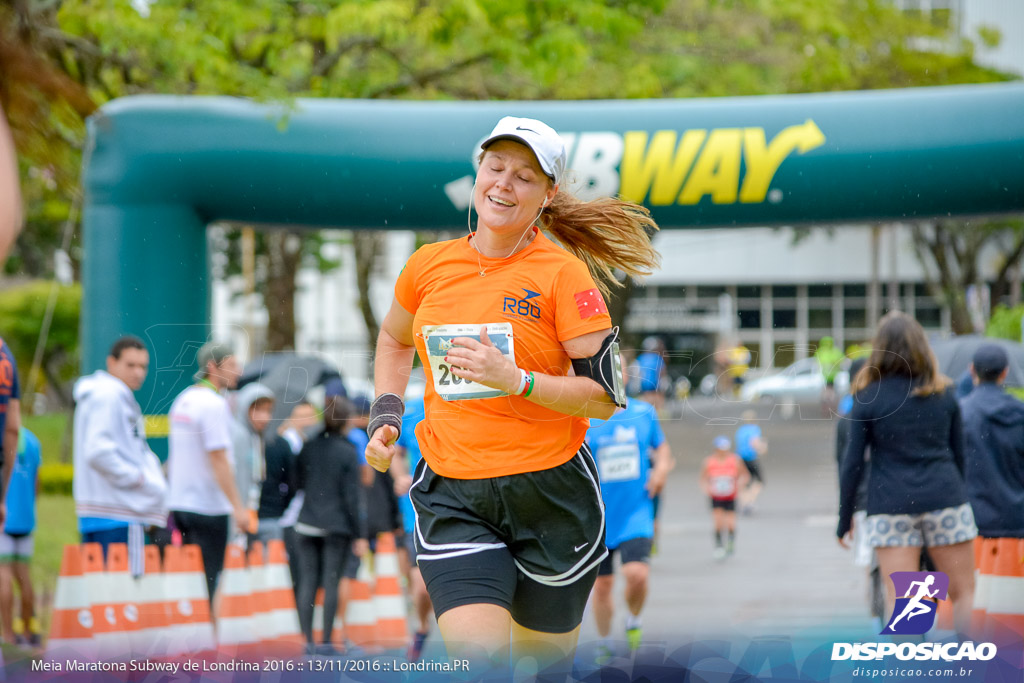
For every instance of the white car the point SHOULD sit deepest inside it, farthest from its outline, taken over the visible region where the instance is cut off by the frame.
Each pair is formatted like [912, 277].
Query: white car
[801, 382]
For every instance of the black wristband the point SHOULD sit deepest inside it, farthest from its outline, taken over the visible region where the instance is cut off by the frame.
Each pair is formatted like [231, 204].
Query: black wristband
[387, 409]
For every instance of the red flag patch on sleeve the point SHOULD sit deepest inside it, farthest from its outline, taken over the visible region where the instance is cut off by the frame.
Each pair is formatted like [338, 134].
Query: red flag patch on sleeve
[590, 303]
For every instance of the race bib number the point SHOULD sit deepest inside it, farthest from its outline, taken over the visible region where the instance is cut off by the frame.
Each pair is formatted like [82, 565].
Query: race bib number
[723, 486]
[438, 340]
[619, 462]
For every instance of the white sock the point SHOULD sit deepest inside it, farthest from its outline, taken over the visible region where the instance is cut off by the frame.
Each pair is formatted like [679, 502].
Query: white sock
[633, 622]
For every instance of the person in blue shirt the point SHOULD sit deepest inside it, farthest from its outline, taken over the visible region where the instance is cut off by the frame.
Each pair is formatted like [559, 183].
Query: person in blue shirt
[650, 372]
[409, 457]
[16, 543]
[751, 445]
[634, 460]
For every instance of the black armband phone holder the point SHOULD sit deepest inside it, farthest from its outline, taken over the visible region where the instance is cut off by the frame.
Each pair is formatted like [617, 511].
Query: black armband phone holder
[605, 368]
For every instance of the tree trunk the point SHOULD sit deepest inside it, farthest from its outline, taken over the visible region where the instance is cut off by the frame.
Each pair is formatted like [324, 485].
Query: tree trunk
[368, 246]
[1006, 288]
[949, 268]
[959, 315]
[283, 259]
[51, 367]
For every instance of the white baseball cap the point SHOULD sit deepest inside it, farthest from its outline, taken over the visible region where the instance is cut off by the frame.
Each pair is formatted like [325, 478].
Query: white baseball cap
[539, 137]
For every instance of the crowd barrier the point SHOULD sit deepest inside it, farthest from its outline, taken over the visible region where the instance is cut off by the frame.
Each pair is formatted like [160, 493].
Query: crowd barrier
[101, 612]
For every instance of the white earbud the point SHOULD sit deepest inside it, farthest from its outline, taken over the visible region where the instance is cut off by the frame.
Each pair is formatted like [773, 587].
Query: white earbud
[546, 202]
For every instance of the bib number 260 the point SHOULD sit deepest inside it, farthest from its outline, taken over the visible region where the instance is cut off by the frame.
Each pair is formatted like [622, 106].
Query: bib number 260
[439, 339]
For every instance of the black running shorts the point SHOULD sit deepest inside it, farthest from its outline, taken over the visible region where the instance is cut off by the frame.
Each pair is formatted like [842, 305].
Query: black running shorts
[530, 543]
[633, 550]
[754, 467]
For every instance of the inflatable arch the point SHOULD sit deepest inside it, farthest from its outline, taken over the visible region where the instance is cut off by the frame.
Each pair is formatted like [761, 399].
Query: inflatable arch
[160, 169]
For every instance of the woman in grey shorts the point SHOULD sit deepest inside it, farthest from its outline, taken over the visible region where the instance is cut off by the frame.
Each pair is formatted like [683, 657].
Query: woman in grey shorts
[905, 412]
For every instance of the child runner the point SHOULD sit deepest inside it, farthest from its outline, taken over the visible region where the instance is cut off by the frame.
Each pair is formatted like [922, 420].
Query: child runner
[721, 478]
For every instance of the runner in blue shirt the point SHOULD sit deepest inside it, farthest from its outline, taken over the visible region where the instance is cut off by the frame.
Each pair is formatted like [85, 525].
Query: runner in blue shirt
[651, 372]
[750, 445]
[634, 460]
[409, 456]
[16, 543]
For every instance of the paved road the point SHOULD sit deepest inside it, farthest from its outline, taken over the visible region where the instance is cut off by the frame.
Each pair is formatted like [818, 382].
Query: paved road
[788, 574]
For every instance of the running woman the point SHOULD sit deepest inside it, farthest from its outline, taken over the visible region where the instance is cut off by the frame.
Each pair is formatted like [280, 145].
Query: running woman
[625, 446]
[723, 476]
[509, 520]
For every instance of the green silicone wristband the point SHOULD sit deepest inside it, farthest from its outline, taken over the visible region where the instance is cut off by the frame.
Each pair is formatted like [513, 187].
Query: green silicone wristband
[533, 381]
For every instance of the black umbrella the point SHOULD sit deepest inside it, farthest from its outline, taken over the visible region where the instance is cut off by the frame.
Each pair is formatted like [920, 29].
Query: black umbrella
[955, 354]
[290, 376]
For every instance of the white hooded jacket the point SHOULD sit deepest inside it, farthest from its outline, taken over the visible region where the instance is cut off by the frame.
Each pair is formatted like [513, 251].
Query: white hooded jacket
[116, 475]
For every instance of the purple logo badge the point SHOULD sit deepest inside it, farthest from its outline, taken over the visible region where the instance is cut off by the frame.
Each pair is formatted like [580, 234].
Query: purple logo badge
[917, 601]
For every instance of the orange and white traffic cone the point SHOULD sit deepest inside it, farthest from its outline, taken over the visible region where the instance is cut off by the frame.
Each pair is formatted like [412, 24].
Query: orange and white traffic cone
[236, 626]
[71, 621]
[392, 631]
[108, 622]
[154, 608]
[115, 607]
[279, 601]
[360, 618]
[1006, 592]
[986, 564]
[190, 629]
[262, 617]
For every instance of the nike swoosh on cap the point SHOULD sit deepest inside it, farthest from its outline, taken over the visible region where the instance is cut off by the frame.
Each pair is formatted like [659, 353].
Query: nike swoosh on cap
[529, 130]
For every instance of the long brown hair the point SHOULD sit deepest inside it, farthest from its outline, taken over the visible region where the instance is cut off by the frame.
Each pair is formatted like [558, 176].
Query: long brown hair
[900, 349]
[605, 233]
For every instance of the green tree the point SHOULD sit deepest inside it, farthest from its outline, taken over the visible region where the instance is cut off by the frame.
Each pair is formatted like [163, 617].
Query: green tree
[1006, 323]
[21, 310]
[950, 252]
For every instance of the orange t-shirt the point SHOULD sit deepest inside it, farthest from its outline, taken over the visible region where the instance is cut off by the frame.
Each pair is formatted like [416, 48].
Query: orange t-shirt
[724, 475]
[548, 296]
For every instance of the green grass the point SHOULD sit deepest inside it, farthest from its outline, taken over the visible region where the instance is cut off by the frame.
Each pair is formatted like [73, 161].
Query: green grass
[50, 430]
[56, 526]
